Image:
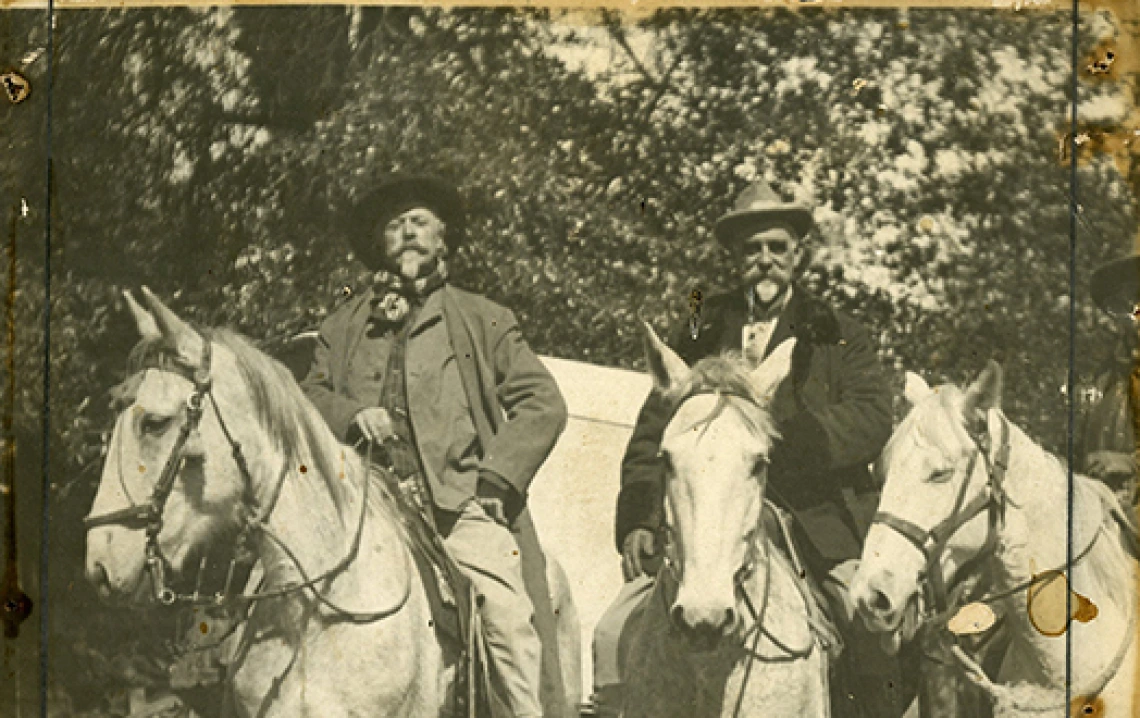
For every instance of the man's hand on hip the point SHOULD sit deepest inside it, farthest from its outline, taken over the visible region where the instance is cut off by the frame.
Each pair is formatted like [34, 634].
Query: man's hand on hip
[639, 548]
[374, 424]
[499, 499]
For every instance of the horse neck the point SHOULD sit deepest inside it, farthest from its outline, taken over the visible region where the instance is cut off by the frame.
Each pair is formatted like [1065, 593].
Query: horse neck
[316, 526]
[1032, 534]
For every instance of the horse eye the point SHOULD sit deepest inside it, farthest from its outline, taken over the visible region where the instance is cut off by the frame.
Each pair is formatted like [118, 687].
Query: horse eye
[665, 459]
[155, 425]
[941, 476]
[760, 465]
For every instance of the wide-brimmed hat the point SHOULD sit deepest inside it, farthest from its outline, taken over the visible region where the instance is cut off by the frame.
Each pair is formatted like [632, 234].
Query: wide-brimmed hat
[1115, 286]
[393, 194]
[757, 207]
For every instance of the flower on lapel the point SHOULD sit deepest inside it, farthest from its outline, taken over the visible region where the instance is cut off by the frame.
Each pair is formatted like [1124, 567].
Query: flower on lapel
[393, 307]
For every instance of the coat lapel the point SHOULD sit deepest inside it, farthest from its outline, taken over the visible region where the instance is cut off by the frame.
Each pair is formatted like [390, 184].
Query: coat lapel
[734, 318]
[480, 396]
[354, 330]
[431, 311]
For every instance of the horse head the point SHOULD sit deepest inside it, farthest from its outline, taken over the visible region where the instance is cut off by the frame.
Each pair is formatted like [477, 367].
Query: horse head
[172, 486]
[932, 518]
[715, 453]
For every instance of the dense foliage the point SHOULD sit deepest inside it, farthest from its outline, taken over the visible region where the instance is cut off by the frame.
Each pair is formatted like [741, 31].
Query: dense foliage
[209, 154]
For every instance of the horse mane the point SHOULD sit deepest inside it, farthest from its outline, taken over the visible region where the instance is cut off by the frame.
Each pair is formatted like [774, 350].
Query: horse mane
[727, 376]
[1107, 567]
[293, 424]
[284, 412]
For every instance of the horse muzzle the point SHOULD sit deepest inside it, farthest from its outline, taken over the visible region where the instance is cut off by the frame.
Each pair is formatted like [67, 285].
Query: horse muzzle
[877, 601]
[116, 565]
[704, 619]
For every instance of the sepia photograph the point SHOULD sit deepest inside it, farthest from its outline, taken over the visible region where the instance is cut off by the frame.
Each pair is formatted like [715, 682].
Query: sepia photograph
[578, 362]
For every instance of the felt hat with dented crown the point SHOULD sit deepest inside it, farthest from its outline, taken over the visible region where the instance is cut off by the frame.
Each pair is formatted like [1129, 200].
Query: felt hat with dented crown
[757, 207]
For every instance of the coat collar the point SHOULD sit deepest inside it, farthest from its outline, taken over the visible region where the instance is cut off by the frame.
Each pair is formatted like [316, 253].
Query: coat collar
[736, 318]
[357, 325]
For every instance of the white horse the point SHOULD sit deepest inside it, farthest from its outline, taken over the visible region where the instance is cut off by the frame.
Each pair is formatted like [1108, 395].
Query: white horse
[725, 631]
[220, 450]
[971, 500]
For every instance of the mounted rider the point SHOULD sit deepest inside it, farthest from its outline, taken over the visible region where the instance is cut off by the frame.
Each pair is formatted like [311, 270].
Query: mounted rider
[442, 381]
[1106, 448]
[833, 414]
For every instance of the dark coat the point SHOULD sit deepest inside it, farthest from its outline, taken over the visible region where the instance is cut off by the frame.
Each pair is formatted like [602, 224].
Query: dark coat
[833, 414]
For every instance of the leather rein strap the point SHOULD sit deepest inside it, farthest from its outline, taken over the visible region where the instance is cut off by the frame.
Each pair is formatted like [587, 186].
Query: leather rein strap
[148, 515]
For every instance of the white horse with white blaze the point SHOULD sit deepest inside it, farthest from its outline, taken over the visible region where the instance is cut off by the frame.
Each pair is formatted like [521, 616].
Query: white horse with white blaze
[726, 630]
[969, 499]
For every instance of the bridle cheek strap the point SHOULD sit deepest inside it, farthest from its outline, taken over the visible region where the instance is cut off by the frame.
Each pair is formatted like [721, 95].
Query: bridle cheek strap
[148, 515]
[932, 543]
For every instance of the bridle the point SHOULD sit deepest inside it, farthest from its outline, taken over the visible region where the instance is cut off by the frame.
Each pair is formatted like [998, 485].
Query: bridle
[932, 542]
[759, 549]
[254, 518]
[149, 513]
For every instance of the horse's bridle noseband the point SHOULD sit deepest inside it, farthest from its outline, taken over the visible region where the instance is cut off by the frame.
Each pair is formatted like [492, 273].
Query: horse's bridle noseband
[255, 517]
[149, 513]
[932, 543]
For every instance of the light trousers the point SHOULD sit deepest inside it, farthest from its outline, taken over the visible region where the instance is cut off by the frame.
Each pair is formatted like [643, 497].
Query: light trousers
[487, 553]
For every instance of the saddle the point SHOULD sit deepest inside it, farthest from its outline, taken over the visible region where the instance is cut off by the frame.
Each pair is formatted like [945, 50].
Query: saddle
[453, 602]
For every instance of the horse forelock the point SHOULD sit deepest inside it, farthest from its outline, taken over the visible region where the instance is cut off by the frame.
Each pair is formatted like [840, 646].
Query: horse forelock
[726, 376]
[153, 353]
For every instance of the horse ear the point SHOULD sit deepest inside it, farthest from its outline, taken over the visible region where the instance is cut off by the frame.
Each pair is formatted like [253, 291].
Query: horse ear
[148, 328]
[767, 377]
[181, 336]
[984, 394]
[915, 388]
[665, 366]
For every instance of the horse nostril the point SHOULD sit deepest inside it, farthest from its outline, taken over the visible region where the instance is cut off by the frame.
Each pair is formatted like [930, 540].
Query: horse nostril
[729, 618]
[880, 602]
[97, 576]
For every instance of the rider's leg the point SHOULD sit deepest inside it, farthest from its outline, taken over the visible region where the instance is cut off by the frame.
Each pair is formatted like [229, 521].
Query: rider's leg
[607, 645]
[488, 555]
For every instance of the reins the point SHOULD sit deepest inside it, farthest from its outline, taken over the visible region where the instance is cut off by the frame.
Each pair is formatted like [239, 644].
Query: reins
[932, 544]
[255, 519]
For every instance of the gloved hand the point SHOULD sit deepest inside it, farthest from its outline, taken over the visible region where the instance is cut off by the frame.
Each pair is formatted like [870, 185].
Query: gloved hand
[499, 499]
[373, 424]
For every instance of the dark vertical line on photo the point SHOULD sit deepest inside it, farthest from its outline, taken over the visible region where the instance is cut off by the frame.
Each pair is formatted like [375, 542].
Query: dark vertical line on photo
[1072, 378]
[46, 424]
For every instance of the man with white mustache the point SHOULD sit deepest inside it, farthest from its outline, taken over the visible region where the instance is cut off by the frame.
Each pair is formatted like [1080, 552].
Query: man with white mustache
[441, 381]
[833, 415]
